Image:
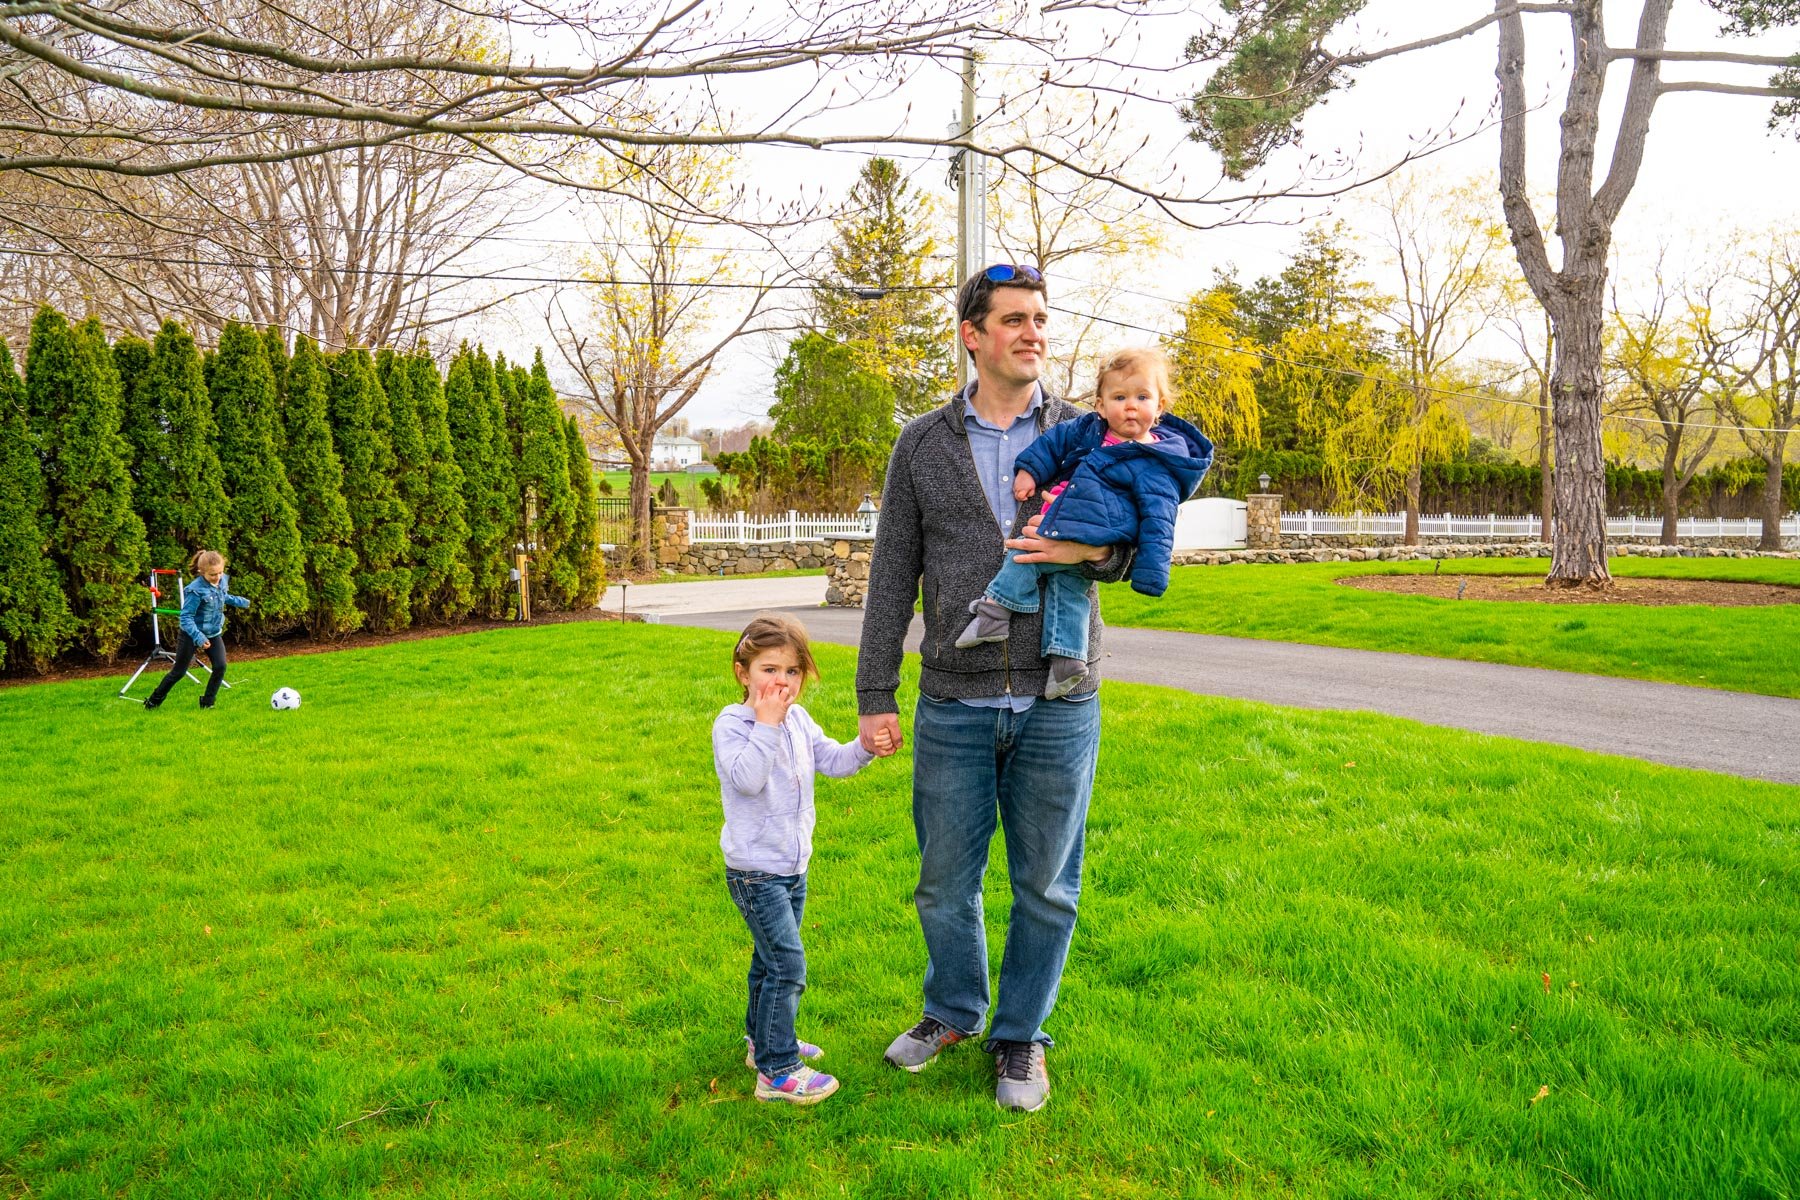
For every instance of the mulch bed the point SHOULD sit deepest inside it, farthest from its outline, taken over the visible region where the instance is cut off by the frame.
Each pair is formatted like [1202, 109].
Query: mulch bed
[1654, 592]
[242, 652]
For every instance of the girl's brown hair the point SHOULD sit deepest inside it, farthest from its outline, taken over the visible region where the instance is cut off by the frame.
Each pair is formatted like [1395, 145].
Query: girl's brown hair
[771, 631]
[206, 558]
[1148, 359]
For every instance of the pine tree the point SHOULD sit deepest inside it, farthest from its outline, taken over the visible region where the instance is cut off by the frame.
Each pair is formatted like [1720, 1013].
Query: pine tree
[441, 580]
[318, 481]
[181, 491]
[378, 518]
[268, 563]
[35, 621]
[544, 468]
[582, 550]
[884, 241]
[75, 404]
[477, 424]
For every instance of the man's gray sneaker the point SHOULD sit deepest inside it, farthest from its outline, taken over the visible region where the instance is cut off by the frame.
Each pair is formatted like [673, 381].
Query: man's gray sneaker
[915, 1048]
[1024, 1078]
[1066, 675]
[991, 624]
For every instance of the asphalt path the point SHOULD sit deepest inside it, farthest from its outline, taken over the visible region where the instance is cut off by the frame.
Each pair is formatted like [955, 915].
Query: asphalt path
[1735, 733]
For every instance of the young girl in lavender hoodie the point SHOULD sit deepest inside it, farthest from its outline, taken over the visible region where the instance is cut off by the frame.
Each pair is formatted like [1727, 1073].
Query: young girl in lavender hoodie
[766, 750]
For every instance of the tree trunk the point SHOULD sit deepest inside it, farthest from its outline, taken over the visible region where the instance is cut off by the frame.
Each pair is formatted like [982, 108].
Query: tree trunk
[1671, 486]
[1578, 543]
[1546, 476]
[1414, 485]
[1771, 506]
[641, 557]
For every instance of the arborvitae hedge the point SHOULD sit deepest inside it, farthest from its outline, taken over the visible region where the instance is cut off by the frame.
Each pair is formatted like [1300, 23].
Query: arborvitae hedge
[275, 346]
[35, 621]
[544, 468]
[267, 561]
[318, 481]
[442, 585]
[477, 424]
[98, 537]
[181, 490]
[582, 550]
[378, 517]
[288, 466]
[1730, 490]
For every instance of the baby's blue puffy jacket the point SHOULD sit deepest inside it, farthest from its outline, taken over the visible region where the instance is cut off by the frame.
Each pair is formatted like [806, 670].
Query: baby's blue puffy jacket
[1128, 492]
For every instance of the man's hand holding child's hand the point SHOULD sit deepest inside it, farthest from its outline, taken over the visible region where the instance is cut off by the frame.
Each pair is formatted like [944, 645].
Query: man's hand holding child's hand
[1023, 486]
[771, 702]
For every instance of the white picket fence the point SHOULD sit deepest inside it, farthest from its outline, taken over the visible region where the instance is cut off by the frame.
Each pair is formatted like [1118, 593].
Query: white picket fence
[1309, 523]
[790, 526]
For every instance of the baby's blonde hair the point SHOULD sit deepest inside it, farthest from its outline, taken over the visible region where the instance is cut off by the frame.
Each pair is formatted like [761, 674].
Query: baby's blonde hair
[208, 558]
[1148, 359]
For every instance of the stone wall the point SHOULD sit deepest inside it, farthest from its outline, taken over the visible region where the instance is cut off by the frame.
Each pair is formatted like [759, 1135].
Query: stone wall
[1342, 541]
[1397, 553]
[732, 558]
[847, 572]
[1262, 521]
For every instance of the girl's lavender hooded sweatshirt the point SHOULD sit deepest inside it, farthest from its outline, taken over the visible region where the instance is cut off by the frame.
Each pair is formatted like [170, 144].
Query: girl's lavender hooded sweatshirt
[766, 782]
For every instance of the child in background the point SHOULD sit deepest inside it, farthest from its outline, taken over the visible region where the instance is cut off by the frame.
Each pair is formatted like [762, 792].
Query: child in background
[1114, 477]
[766, 750]
[202, 626]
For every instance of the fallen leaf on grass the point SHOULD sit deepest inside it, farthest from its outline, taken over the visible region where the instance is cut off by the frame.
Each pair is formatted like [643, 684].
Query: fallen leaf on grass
[1542, 1092]
[1546, 983]
[1349, 764]
[208, 929]
[712, 1085]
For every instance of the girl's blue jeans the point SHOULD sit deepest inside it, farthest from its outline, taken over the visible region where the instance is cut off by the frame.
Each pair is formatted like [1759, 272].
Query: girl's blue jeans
[772, 905]
[1065, 602]
[1033, 771]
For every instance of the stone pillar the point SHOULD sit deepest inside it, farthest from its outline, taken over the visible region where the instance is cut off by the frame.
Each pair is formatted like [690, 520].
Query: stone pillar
[1263, 521]
[669, 534]
[847, 569]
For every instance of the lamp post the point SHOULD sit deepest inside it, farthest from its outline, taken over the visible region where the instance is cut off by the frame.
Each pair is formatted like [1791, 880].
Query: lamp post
[1262, 481]
[866, 510]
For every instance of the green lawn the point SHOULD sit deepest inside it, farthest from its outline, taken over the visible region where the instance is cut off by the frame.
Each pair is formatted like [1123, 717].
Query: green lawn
[1742, 649]
[457, 928]
[686, 484]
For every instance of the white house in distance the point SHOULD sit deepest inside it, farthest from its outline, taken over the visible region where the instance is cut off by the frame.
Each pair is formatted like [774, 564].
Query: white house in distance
[669, 453]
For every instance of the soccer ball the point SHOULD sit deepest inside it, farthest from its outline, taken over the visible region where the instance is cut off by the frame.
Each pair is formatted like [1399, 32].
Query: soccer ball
[285, 698]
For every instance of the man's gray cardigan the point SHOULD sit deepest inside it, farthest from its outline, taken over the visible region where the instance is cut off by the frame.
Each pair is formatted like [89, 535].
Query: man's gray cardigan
[936, 526]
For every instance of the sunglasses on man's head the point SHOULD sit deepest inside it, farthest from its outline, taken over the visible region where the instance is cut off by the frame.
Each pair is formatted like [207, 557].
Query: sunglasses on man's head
[1007, 272]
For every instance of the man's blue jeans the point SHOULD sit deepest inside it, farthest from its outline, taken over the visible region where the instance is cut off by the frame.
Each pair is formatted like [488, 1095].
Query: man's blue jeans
[1065, 602]
[772, 906]
[1035, 771]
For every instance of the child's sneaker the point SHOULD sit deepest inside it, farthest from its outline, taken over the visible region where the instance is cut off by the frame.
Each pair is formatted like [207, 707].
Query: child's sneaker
[808, 1051]
[802, 1085]
[992, 623]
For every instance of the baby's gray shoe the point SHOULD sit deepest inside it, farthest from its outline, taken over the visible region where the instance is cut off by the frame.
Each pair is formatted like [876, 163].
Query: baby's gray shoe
[992, 623]
[1066, 675]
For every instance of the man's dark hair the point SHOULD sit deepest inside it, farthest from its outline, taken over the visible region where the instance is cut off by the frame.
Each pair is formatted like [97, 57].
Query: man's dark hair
[976, 295]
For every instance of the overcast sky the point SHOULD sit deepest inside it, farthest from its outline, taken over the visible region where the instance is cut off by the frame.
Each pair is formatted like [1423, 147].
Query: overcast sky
[1712, 166]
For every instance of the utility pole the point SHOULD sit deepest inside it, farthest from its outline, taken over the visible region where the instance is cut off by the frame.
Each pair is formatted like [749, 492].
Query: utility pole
[968, 171]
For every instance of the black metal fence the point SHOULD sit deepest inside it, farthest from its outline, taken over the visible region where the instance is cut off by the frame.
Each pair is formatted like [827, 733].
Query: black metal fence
[615, 520]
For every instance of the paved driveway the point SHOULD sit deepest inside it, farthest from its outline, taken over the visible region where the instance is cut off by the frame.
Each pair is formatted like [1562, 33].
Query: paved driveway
[1730, 732]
